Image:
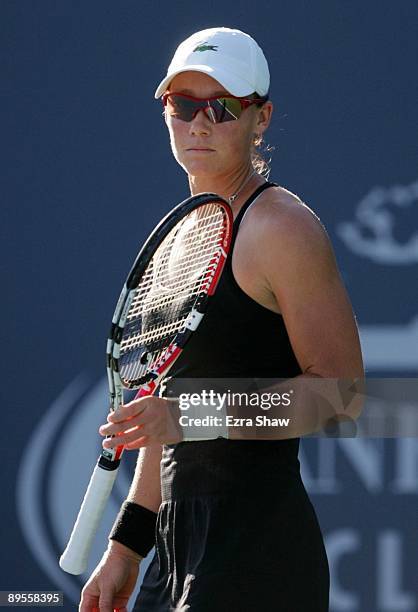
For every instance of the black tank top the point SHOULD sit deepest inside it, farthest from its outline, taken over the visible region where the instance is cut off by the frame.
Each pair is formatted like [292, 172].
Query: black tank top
[238, 338]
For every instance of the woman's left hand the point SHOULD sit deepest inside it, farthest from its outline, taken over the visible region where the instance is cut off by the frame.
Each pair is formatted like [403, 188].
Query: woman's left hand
[142, 422]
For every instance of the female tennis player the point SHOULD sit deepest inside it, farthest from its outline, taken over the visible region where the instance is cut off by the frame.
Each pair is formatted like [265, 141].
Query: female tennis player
[229, 516]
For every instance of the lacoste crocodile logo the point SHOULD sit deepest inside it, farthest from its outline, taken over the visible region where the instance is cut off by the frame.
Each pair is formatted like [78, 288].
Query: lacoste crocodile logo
[205, 47]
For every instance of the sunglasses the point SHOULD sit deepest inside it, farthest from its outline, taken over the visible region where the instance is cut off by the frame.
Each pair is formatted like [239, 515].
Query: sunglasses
[218, 109]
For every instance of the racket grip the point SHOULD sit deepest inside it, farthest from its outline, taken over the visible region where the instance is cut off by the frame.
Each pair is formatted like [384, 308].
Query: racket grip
[74, 558]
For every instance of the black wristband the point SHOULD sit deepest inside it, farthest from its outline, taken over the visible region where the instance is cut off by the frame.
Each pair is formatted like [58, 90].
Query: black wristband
[135, 528]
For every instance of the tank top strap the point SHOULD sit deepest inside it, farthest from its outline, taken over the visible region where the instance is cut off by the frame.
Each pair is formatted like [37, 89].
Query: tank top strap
[246, 206]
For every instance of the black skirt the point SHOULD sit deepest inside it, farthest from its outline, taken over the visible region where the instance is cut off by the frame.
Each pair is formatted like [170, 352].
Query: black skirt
[235, 531]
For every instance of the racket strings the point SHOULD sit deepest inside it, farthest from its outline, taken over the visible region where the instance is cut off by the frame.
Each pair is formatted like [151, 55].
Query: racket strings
[163, 313]
[153, 291]
[199, 255]
[161, 321]
[144, 347]
[159, 294]
[179, 271]
[170, 271]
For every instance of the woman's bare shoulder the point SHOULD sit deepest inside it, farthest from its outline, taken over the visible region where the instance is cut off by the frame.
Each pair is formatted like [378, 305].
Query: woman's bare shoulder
[279, 210]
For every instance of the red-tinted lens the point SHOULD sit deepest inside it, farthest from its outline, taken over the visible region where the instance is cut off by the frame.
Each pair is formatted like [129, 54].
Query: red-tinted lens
[218, 110]
[226, 109]
[183, 107]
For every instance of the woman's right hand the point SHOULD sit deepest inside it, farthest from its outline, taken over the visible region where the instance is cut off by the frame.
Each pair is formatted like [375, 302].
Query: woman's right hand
[112, 582]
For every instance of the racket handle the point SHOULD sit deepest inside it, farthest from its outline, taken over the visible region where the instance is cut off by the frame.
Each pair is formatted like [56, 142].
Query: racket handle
[74, 558]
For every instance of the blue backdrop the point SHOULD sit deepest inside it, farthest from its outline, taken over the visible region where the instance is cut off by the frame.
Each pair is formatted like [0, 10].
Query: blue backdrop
[85, 149]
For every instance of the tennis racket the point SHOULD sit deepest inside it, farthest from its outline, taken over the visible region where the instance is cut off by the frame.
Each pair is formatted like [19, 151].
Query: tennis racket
[161, 305]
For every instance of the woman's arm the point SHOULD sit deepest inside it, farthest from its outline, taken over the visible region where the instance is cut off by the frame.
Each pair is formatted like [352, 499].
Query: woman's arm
[300, 270]
[146, 485]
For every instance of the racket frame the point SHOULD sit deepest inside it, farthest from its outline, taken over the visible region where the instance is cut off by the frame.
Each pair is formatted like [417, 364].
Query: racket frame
[74, 558]
[111, 457]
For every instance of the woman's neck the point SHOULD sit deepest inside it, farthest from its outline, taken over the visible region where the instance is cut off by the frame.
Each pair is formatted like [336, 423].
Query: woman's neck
[234, 189]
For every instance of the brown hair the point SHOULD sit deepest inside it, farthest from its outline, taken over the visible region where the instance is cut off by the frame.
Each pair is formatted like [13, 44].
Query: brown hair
[261, 156]
[260, 151]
